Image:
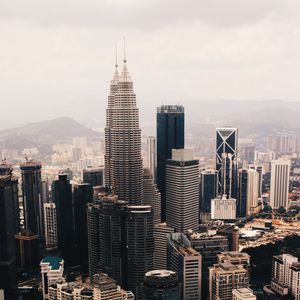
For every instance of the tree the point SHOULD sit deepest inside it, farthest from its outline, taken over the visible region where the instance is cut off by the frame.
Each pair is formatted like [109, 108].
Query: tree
[281, 210]
[267, 208]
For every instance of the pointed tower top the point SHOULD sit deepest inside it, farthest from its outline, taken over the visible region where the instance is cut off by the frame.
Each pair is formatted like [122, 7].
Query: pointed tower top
[116, 65]
[124, 60]
[125, 77]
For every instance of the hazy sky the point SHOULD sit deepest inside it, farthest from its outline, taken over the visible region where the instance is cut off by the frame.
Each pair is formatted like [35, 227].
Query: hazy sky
[57, 57]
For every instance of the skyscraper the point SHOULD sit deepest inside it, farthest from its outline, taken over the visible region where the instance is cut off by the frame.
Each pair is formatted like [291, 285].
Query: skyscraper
[208, 189]
[82, 195]
[182, 190]
[226, 160]
[8, 268]
[123, 161]
[32, 196]
[151, 156]
[93, 176]
[62, 197]
[280, 178]
[169, 135]
[223, 208]
[50, 225]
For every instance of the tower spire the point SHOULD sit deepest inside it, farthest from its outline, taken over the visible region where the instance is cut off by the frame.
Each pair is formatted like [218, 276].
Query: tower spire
[124, 60]
[116, 65]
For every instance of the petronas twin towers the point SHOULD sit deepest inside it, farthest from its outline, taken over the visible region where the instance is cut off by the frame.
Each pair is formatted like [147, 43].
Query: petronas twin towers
[123, 161]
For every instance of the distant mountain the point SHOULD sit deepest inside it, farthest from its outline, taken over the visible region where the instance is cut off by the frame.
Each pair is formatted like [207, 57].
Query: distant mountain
[60, 130]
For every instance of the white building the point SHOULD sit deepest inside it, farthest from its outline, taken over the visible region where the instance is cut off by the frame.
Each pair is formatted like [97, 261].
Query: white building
[52, 269]
[252, 191]
[280, 178]
[50, 222]
[243, 294]
[182, 190]
[223, 208]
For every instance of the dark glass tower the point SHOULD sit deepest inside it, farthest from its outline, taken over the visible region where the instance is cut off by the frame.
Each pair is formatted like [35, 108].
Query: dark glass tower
[93, 176]
[208, 189]
[169, 135]
[241, 209]
[226, 160]
[82, 195]
[32, 196]
[8, 268]
[62, 197]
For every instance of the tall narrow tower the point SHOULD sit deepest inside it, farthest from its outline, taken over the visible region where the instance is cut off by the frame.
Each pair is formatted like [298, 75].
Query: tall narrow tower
[123, 160]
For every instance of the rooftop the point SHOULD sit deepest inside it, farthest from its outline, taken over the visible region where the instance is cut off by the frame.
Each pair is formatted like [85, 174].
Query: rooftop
[54, 262]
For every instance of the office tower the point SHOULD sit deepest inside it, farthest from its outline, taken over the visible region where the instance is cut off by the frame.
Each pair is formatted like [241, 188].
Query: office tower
[27, 250]
[243, 294]
[226, 158]
[45, 191]
[151, 156]
[50, 225]
[120, 241]
[93, 176]
[182, 190]
[280, 178]
[52, 270]
[208, 189]
[32, 196]
[62, 197]
[140, 245]
[106, 288]
[82, 195]
[161, 284]
[225, 277]
[8, 268]
[259, 170]
[241, 208]
[5, 168]
[169, 135]
[235, 258]
[123, 161]
[151, 195]
[208, 246]
[223, 208]
[161, 232]
[186, 262]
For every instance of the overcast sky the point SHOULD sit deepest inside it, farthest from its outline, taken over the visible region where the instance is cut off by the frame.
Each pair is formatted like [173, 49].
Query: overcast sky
[57, 57]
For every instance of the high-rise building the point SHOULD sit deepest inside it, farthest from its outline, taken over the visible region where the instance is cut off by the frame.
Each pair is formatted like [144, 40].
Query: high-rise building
[182, 190]
[208, 189]
[161, 232]
[8, 268]
[280, 178]
[151, 195]
[32, 196]
[169, 135]
[62, 197]
[161, 284]
[226, 160]
[241, 208]
[50, 225]
[82, 195]
[243, 294]
[186, 262]
[225, 277]
[123, 160]
[208, 246]
[223, 208]
[52, 270]
[93, 176]
[151, 156]
[120, 241]
[259, 170]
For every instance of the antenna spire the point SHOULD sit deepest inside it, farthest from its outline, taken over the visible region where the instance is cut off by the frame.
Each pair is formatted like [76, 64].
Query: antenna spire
[116, 65]
[124, 60]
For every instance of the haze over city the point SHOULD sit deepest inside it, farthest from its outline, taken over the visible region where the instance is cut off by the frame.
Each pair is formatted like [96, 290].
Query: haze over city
[58, 56]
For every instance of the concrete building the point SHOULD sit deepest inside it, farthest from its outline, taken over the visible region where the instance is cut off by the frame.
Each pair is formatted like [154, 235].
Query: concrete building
[235, 258]
[182, 190]
[50, 225]
[161, 284]
[225, 277]
[52, 270]
[186, 262]
[223, 208]
[123, 160]
[151, 195]
[161, 232]
[243, 294]
[280, 178]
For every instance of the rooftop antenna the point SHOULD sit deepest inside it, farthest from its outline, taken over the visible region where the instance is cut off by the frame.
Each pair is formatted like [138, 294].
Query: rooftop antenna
[116, 65]
[124, 60]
